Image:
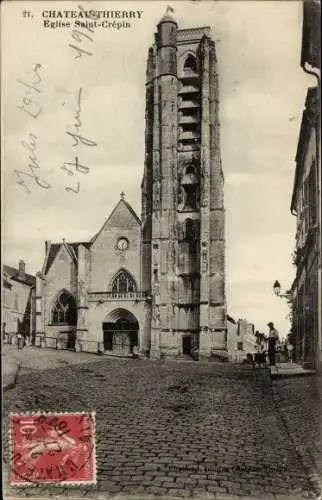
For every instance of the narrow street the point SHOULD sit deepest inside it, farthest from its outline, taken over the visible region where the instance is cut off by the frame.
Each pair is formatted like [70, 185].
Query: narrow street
[178, 429]
[299, 403]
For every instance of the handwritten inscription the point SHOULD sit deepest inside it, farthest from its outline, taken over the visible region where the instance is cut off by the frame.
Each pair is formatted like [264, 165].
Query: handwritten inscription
[75, 133]
[80, 37]
[33, 167]
[29, 104]
[77, 136]
[31, 107]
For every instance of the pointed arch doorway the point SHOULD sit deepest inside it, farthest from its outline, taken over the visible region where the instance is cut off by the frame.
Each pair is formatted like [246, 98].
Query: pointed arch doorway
[120, 332]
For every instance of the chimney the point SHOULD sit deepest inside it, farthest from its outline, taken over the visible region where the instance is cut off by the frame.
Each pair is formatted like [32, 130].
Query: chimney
[22, 268]
[47, 246]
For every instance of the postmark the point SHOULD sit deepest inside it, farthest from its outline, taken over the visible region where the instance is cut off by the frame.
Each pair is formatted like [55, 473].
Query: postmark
[55, 448]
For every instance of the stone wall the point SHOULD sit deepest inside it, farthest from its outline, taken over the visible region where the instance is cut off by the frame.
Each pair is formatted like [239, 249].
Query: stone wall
[107, 259]
[61, 275]
[15, 304]
[97, 313]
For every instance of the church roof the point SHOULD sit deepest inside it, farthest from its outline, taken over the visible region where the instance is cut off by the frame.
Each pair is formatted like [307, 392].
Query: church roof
[54, 249]
[121, 202]
[13, 274]
[72, 248]
[130, 210]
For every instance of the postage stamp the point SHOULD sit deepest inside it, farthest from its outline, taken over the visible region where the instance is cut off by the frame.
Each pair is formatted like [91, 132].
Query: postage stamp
[54, 448]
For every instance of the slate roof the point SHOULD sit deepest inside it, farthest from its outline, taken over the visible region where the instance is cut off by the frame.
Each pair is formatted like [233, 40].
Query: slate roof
[128, 206]
[54, 249]
[13, 274]
[5, 283]
[73, 247]
[130, 209]
[229, 318]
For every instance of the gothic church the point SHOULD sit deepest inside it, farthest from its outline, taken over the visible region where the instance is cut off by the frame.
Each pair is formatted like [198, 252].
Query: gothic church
[154, 285]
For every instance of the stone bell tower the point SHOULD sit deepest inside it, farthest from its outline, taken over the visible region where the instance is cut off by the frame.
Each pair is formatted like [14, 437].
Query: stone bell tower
[183, 218]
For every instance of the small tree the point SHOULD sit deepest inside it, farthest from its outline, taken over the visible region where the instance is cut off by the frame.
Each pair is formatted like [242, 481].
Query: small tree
[291, 315]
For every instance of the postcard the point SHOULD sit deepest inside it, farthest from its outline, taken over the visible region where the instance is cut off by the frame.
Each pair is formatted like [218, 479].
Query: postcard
[161, 278]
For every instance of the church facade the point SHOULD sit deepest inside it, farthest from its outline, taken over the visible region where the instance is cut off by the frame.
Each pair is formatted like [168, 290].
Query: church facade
[155, 284]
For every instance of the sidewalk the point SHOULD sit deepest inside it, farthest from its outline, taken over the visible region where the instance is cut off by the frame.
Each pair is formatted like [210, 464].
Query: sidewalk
[286, 370]
[299, 402]
[10, 370]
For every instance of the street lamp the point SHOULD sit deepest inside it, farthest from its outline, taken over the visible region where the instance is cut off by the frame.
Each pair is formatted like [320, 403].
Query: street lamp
[277, 290]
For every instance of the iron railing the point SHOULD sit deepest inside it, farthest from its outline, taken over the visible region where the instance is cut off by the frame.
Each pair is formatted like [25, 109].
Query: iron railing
[108, 296]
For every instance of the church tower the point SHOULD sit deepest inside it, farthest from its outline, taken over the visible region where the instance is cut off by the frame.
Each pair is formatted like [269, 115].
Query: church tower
[183, 217]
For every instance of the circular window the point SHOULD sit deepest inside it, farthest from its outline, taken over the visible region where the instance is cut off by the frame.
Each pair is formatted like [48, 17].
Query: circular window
[122, 244]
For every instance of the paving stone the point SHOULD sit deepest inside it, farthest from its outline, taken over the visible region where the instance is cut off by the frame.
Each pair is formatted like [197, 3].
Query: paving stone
[217, 489]
[112, 488]
[156, 490]
[202, 493]
[299, 402]
[137, 478]
[186, 480]
[230, 420]
[152, 482]
[179, 493]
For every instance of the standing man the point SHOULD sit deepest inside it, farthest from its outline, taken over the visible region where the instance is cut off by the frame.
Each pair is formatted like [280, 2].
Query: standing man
[290, 349]
[272, 339]
[19, 341]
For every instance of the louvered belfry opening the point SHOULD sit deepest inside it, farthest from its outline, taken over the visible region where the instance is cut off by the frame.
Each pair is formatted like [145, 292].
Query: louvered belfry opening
[189, 104]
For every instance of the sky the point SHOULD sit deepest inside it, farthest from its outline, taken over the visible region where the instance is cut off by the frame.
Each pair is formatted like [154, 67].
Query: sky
[262, 94]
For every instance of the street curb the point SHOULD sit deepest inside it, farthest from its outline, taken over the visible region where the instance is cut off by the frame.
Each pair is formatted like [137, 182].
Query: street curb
[210, 496]
[275, 373]
[275, 376]
[308, 464]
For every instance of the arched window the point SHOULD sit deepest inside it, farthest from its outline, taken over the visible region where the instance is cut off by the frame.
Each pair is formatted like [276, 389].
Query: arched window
[123, 283]
[190, 189]
[190, 64]
[191, 234]
[64, 310]
[189, 230]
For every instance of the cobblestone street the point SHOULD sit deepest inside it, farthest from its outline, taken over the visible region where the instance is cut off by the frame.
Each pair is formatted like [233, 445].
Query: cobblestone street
[299, 401]
[176, 429]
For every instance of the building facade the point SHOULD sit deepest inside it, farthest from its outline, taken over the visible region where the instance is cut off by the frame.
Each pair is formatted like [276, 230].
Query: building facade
[241, 339]
[18, 303]
[157, 282]
[306, 205]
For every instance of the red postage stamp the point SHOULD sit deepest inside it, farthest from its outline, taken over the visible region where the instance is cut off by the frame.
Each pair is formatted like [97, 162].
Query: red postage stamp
[52, 448]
